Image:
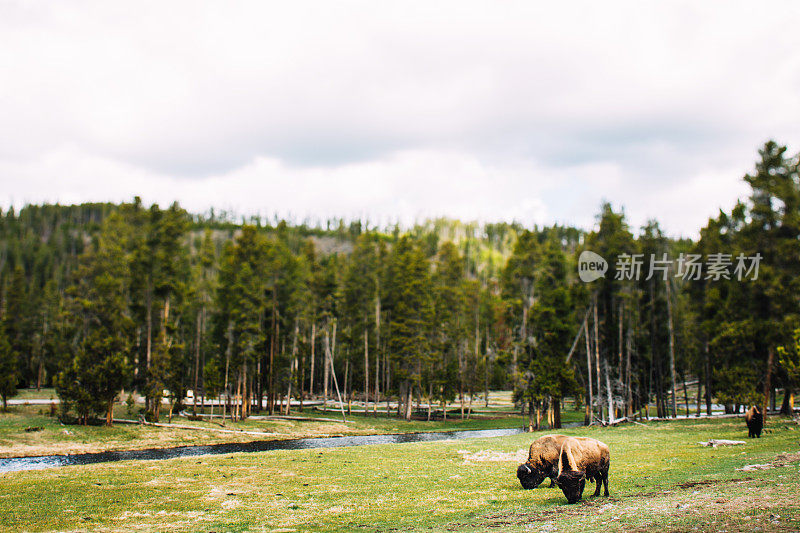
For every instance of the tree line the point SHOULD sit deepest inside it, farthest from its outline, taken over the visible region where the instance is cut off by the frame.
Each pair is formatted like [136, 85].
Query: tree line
[97, 299]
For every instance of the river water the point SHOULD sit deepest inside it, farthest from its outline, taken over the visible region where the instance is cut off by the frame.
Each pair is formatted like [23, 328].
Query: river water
[13, 464]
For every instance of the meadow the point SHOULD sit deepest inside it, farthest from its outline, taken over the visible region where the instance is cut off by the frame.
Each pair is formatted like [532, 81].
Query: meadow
[660, 479]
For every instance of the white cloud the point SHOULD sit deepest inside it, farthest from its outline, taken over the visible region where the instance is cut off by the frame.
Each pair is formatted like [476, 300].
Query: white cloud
[476, 110]
[404, 186]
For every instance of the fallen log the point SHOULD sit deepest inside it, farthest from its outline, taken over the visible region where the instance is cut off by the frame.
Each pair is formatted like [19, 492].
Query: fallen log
[301, 418]
[197, 428]
[722, 442]
[264, 417]
[750, 468]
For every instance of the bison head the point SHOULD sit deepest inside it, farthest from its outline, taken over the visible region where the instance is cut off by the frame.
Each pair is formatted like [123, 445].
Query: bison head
[572, 484]
[529, 477]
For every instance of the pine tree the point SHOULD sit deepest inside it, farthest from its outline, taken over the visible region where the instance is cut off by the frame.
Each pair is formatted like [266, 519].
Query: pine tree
[241, 302]
[609, 298]
[518, 290]
[789, 358]
[411, 314]
[772, 230]
[16, 324]
[99, 302]
[359, 292]
[203, 287]
[8, 370]
[448, 372]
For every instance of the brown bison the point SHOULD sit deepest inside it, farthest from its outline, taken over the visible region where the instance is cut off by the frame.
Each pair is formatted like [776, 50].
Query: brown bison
[581, 458]
[542, 461]
[755, 422]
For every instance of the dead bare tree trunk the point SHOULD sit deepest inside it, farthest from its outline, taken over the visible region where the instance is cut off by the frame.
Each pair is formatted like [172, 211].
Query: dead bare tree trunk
[532, 424]
[149, 345]
[228, 354]
[461, 378]
[273, 345]
[686, 395]
[326, 369]
[608, 393]
[245, 392]
[590, 403]
[238, 406]
[671, 346]
[329, 347]
[109, 413]
[313, 345]
[486, 369]
[409, 399]
[768, 380]
[197, 358]
[708, 379]
[301, 379]
[377, 354]
[597, 360]
[386, 367]
[619, 339]
[628, 384]
[347, 384]
[366, 368]
[699, 395]
[333, 352]
[292, 365]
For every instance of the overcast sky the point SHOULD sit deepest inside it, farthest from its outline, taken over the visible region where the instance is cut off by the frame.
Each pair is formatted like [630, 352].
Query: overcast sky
[397, 111]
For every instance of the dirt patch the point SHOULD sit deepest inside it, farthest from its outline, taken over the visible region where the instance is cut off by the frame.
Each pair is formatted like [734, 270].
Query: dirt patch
[690, 484]
[740, 504]
[545, 518]
[493, 456]
[782, 459]
[786, 458]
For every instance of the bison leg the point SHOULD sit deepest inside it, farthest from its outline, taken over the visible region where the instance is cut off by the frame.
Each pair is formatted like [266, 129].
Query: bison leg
[598, 479]
[552, 482]
[605, 483]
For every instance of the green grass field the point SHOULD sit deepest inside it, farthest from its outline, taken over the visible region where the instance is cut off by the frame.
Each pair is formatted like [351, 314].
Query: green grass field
[660, 479]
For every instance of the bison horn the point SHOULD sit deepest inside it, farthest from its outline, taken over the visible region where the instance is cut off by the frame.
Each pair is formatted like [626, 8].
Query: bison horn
[528, 469]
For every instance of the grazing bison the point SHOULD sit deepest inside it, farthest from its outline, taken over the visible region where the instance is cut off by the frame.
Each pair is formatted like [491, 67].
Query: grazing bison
[755, 422]
[581, 458]
[542, 461]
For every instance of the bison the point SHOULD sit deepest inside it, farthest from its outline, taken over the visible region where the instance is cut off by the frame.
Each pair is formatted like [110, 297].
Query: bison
[581, 458]
[755, 422]
[542, 461]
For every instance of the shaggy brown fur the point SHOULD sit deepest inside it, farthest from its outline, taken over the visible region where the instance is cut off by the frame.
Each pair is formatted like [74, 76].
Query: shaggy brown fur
[542, 461]
[755, 422]
[581, 458]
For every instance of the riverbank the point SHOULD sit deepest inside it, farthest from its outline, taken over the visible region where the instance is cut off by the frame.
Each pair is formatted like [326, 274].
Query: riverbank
[661, 478]
[28, 430]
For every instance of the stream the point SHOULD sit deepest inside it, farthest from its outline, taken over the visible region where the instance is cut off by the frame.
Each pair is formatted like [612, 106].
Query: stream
[13, 464]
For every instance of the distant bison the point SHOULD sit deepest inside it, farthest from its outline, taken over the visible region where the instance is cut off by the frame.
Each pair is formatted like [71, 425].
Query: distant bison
[581, 458]
[755, 422]
[542, 461]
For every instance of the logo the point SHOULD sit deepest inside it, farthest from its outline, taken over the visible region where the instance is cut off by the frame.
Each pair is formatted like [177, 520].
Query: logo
[591, 266]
